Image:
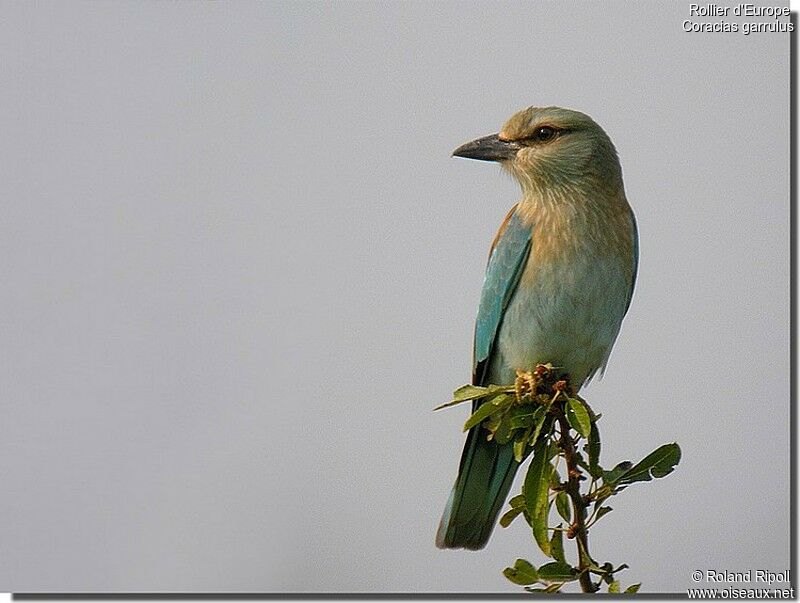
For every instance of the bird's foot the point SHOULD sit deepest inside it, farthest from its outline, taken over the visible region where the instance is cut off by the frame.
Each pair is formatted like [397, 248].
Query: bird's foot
[562, 385]
[541, 383]
[525, 384]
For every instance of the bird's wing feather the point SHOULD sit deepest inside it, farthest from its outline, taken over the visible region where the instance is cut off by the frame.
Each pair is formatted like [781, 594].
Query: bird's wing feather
[487, 469]
[510, 251]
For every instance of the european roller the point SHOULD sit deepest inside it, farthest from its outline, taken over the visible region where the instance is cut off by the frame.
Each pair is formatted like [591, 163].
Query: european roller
[558, 283]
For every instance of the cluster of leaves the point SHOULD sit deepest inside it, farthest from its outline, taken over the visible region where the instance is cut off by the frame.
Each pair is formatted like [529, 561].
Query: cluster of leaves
[540, 415]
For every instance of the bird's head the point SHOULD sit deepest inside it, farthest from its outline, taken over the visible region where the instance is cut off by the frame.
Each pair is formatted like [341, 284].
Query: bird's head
[548, 148]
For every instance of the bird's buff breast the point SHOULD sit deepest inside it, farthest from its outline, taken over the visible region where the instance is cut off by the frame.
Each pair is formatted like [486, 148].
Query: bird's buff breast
[571, 298]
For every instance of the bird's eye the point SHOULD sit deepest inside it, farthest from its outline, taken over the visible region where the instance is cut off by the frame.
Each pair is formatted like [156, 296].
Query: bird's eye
[544, 134]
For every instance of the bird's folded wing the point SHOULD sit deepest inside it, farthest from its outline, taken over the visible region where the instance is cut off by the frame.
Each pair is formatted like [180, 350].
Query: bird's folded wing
[506, 263]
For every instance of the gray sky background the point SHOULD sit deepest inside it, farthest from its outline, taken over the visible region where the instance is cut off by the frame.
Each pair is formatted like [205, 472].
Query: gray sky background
[240, 268]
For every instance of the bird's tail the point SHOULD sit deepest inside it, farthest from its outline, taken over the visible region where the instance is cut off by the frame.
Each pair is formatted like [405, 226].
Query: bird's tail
[484, 478]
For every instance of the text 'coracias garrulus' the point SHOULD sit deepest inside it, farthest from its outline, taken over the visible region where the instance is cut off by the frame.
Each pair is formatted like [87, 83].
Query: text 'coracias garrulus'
[559, 280]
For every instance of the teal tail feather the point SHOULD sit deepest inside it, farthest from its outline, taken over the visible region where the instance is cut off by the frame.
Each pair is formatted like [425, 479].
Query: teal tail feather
[485, 476]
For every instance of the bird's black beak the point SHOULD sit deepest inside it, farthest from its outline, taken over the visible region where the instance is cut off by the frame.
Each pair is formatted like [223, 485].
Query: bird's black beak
[488, 148]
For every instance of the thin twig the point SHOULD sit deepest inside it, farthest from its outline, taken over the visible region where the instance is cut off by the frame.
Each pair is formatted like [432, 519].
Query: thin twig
[573, 489]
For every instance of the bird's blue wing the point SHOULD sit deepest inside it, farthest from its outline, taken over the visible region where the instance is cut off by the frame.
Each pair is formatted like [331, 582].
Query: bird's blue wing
[487, 468]
[503, 272]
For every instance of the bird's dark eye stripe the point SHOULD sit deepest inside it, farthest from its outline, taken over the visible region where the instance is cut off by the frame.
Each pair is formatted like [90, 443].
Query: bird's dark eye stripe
[544, 134]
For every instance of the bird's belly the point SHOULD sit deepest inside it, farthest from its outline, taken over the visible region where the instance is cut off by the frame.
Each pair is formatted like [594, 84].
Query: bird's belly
[568, 315]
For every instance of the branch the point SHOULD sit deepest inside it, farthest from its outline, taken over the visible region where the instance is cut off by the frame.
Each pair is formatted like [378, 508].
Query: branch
[541, 414]
[572, 487]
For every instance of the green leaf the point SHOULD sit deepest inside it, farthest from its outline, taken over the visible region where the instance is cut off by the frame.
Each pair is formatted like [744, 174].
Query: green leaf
[492, 424]
[535, 489]
[469, 392]
[557, 545]
[602, 511]
[660, 462]
[483, 412]
[523, 573]
[633, 588]
[510, 516]
[538, 424]
[474, 392]
[614, 587]
[517, 501]
[593, 450]
[562, 506]
[582, 464]
[524, 416]
[552, 588]
[602, 493]
[502, 398]
[504, 432]
[520, 444]
[611, 477]
[555, 478]
[578, 417]
[518, 421]
[462, 394]
[557, 571]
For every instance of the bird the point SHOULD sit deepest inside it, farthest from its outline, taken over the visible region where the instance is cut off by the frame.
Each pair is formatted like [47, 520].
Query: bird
[558, 283]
